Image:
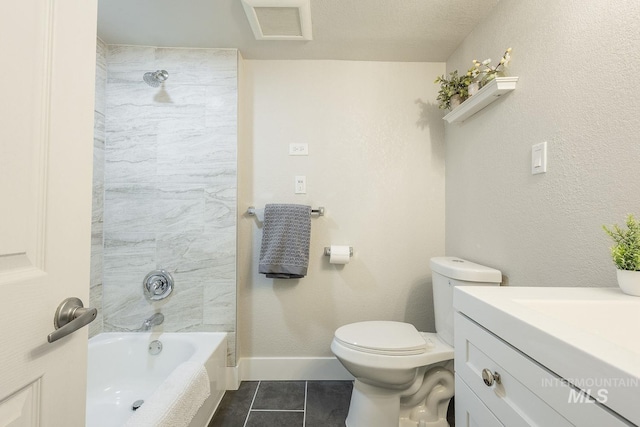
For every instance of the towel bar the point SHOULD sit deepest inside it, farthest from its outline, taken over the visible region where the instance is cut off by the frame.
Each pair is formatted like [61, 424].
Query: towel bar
[320, 211]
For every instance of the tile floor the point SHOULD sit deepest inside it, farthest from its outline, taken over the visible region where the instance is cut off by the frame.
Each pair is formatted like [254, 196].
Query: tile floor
[290, 404]
[285, 404]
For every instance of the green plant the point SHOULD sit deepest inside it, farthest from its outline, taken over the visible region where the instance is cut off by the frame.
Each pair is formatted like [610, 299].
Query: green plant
[459, 85]
[449, 87]
[626, 251]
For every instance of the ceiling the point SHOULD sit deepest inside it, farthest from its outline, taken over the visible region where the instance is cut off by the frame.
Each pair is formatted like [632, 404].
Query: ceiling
[368, 30]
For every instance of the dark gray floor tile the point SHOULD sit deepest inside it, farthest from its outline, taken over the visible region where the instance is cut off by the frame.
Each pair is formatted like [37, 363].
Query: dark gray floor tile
[235, 405]
[280, 395]
[328, 403]
[275, 419]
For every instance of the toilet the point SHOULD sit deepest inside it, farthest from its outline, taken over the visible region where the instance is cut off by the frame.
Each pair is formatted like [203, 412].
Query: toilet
[404, 377]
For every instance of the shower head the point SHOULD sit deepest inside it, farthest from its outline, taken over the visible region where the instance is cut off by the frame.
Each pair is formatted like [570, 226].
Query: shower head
[154, 78]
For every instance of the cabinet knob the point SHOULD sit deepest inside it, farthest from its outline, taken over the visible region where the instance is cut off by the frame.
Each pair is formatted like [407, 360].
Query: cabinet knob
[490, 377]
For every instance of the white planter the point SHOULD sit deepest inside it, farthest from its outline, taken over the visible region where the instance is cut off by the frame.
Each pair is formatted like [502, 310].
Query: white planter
[455, 101]
[629, 282]
[474, 87]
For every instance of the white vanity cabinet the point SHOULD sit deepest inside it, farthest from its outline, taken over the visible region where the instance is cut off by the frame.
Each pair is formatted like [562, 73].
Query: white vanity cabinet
[519, 390]
[472, 411]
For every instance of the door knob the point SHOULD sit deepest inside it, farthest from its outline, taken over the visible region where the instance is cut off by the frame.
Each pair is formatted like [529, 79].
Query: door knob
[70, 316]
[490, 377]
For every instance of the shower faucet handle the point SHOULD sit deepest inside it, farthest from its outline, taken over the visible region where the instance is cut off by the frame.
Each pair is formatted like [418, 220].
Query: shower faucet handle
[157, 285]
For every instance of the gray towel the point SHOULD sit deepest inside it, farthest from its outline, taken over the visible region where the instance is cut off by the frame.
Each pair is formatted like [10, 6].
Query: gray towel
[286, 234]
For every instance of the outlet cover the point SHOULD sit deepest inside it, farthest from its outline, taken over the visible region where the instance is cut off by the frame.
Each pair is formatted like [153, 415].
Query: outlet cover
[299, 149]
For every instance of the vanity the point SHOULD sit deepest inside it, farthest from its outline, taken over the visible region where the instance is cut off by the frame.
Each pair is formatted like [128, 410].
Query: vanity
[546, 356]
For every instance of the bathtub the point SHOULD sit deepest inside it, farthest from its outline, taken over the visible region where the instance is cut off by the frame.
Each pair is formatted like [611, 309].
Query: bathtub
[122, 370]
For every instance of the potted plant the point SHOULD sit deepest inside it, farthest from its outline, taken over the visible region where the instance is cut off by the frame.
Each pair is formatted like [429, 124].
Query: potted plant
[453, 90]
[626, 255]
[487, 72]
[473, 85]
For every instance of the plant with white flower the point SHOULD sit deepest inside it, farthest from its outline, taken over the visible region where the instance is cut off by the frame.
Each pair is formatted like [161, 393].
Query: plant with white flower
[473, 72]
[487, 72]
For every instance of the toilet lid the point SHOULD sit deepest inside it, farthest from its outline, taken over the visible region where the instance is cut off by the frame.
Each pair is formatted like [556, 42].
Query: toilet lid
[382, 337]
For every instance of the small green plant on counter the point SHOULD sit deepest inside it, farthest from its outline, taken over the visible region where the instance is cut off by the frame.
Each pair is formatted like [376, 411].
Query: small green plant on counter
[626, 251]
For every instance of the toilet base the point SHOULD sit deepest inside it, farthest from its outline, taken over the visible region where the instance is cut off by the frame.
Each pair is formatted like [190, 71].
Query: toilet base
[408, 423]
[423, 405]
[373, 406]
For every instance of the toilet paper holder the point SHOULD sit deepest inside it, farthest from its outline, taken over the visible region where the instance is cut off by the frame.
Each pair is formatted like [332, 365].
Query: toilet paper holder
[327, 251]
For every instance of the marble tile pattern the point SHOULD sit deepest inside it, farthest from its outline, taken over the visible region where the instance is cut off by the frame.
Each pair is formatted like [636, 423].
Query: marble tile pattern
[170, 188]
[95, 299]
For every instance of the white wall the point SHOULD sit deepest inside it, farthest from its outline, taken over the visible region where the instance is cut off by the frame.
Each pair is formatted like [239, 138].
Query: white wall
[578, 64]
[376, 163]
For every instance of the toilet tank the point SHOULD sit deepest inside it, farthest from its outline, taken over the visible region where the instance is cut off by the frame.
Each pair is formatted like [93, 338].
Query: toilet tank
[447, 272]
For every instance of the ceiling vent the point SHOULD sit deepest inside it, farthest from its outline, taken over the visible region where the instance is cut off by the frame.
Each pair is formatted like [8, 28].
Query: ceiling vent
[279, 19]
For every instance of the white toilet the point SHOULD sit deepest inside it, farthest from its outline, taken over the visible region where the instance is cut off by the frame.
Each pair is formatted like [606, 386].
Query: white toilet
[404, 377]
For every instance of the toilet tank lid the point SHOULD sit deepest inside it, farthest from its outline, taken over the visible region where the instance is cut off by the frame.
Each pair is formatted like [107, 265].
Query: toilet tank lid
[460, 269]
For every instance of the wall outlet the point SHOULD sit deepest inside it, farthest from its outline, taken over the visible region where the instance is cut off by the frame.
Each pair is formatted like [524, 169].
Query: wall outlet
[300, 149]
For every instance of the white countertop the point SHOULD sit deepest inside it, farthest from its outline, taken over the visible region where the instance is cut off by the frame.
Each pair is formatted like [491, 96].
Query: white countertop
[589, 336]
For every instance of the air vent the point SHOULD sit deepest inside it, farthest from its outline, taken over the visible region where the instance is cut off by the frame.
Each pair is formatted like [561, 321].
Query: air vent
[279, 19]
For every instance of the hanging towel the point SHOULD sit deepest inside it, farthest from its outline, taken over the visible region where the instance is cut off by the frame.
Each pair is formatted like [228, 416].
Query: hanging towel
[286, 234]
[176, 401]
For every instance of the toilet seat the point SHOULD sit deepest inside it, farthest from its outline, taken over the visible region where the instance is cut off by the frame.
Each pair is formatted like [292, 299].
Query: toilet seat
[382, 337]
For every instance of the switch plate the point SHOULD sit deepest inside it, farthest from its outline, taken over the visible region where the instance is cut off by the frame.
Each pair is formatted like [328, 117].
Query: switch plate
[300, 149]
[301, 184]
[539, 158]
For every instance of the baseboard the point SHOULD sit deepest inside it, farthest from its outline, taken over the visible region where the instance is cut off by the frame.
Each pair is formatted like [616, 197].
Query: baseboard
[232, 377]
[288, 368]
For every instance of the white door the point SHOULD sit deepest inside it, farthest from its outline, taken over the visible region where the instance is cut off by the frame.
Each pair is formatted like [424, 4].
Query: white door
[47, 61]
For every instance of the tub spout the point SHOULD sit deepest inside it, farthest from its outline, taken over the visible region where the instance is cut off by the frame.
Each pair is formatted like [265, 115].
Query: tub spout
[152, 321]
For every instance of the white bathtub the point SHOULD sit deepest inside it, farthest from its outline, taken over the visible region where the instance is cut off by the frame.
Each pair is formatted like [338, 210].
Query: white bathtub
[121, 371]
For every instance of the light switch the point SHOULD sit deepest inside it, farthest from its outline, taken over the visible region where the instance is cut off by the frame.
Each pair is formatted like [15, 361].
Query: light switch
[301, 184]
[539, 158]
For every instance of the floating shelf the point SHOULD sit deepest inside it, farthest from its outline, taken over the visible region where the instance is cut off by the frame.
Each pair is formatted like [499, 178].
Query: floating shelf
[485, 96]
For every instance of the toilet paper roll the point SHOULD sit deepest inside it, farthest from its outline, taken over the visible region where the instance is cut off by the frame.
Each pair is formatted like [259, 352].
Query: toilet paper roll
[339, 254]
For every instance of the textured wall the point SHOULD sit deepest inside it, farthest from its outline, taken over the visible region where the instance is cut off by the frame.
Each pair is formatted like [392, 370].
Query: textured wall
[578, 64]
[376, 163]
[170, 187]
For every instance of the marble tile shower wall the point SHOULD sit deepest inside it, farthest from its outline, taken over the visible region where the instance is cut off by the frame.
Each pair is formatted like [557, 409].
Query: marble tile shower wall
[170, 188]
[95, 299]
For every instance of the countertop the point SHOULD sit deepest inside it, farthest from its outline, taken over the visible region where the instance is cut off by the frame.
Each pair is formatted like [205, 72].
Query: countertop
[588, 336]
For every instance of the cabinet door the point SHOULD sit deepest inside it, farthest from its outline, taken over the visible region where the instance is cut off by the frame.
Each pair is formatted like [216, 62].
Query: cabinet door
[527, 394]
[470, 411]
[510, 400]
